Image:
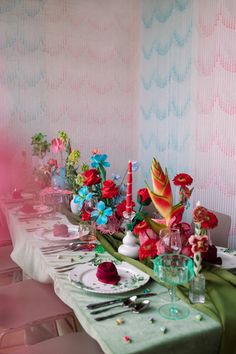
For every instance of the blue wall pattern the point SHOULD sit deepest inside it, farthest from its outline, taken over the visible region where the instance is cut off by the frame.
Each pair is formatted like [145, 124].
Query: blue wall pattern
[165, 130]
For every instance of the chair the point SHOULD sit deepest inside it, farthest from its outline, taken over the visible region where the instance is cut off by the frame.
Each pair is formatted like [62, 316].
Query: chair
[73, 343]
[29, 303]
[220, 234]
[8, 269]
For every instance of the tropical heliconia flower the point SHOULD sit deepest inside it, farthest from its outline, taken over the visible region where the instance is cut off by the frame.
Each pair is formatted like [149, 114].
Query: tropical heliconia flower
[161, 196]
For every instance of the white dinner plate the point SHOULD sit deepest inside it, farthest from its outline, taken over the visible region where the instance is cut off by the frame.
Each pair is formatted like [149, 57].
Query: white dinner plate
[228, 259]
[73, 234]
[38, 210]
[131, 278]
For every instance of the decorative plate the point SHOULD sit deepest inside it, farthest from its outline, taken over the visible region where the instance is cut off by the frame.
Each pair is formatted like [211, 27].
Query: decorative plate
[73, 234]
[131, 278]
[38, 210]
[228, 258]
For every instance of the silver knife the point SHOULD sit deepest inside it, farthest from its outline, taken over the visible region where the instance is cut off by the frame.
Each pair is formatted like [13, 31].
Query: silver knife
[110, 302]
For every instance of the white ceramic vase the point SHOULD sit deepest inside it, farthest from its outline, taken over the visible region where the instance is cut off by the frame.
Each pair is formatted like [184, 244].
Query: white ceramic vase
[74, 206]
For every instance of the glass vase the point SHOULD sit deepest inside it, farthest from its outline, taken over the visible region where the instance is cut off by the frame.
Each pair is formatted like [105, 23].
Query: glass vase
[197, 289]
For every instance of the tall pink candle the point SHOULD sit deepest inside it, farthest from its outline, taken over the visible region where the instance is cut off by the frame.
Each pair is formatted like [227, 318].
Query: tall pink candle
[128, 208]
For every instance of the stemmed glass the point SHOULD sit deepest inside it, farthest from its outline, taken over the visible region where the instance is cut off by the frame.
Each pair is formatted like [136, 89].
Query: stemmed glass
[174, 269]
[170, 241]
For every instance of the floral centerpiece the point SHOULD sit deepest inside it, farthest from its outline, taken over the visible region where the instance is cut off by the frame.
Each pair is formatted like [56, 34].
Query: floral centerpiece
[99, 199]
[195, 245]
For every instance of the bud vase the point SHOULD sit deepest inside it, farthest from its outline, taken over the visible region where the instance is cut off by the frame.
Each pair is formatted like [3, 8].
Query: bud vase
[197, 289]
[59, 180]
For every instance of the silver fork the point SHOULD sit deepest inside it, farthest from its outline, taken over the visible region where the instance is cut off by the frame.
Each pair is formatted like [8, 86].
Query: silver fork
[68, 267]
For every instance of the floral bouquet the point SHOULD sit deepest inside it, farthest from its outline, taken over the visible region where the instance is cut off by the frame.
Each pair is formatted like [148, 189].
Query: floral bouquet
[199, 245]
[100, 200]
[170, 215]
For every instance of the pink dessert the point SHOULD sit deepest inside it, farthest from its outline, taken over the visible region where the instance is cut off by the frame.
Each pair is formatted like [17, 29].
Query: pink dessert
[60, 230]
[28, 208]
[16, 194]
[107, 273]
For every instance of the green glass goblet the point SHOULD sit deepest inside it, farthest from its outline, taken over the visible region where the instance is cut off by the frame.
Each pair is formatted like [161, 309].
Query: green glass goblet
[174, 269]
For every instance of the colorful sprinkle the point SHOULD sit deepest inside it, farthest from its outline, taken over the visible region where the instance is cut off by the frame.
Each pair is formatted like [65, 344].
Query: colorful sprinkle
[163, 330]
[119, 321]
[127, 339]
[198, 317]
[99, 249]
[146, 291]
[151, 319]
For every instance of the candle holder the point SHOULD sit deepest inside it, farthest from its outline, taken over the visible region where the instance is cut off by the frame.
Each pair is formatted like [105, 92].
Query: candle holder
[129, 247]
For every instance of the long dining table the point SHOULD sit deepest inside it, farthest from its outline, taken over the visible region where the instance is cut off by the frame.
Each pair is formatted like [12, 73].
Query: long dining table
[148, 331]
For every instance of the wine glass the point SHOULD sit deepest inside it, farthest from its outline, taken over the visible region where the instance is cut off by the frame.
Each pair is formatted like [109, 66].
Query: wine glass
[170, 241]
[174, 269]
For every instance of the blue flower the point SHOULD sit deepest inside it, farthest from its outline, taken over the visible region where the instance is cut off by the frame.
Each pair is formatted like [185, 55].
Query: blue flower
[135, 166]
[99, 160]
[83, 195]
[115, 177]
[101, 213]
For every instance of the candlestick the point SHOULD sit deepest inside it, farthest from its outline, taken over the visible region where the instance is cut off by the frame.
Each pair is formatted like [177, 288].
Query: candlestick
[128, 208]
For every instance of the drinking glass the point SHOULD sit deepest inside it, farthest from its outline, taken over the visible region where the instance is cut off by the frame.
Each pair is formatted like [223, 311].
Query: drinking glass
[174, 269]
[170, 241]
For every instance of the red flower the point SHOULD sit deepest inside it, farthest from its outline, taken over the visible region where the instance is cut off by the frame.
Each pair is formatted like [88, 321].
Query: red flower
[121, 208]
[141, 227]
[198, 243]
[109, 189]
[85, 216]
[182, 179]
[148, 249]
[91, 177]
[52, 163]
[210, 221]
[143, 197]
[199, 214]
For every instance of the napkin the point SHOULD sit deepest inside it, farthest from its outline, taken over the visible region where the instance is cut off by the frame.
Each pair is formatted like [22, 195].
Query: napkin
[28, 208]
[16, 194]
[107, 273]
[60, 230]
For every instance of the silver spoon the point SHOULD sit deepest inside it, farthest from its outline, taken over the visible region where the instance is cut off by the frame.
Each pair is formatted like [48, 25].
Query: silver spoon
[137, 308]
[126, 303]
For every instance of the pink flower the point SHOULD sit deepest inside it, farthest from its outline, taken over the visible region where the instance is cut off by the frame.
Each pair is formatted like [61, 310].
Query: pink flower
[144, 232]
[198, 243]
[57, 145]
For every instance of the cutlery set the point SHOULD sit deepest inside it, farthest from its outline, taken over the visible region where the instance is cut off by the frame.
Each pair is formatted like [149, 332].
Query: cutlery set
[72, 246]
[130, 303]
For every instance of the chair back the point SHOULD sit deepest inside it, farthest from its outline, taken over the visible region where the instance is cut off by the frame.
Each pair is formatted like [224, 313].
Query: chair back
[220, 234]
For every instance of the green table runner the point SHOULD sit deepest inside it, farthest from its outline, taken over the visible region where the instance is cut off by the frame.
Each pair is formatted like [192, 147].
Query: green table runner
[220, 289]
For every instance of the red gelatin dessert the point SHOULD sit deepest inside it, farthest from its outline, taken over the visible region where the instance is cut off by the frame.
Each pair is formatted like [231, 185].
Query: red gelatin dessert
[28, 208]
[107, 273]
[60, 230]
[16, 194]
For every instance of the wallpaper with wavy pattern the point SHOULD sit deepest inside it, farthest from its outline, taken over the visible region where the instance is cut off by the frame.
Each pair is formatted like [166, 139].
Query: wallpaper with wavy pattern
[148, 78]
[188, 95]
[72, 65]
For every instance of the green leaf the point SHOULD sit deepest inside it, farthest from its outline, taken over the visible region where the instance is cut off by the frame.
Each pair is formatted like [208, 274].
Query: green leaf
[155, 226]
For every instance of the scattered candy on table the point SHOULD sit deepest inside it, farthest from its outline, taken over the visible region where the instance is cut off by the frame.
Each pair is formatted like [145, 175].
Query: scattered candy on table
[151, 319]
[127, 339]
[146, 291]
[163, 330]
[198, 317]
